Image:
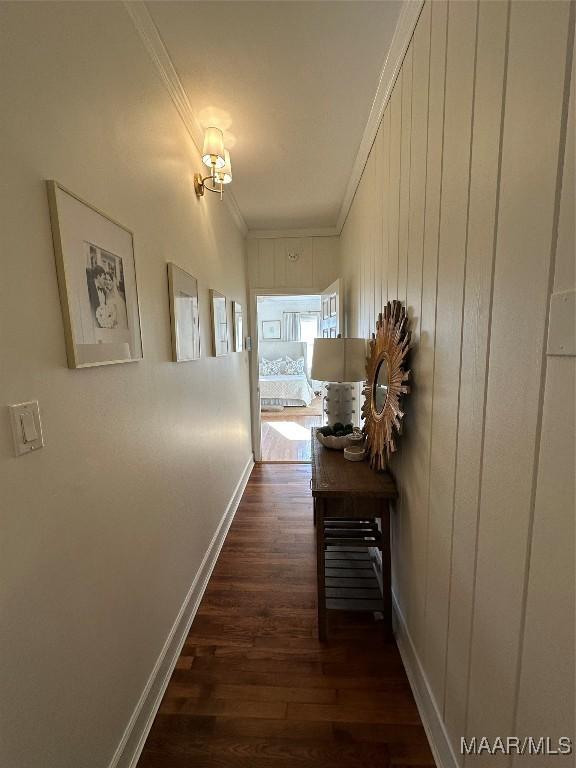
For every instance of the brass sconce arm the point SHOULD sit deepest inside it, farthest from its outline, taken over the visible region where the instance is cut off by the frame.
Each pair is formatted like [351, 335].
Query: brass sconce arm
[200, 185]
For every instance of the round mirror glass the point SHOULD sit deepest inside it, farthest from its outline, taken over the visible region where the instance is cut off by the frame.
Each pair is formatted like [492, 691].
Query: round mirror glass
[380, 392]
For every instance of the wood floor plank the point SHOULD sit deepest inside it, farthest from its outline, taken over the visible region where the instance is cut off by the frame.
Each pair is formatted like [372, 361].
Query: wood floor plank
[253, 687]
[199, 689]
[275, 752]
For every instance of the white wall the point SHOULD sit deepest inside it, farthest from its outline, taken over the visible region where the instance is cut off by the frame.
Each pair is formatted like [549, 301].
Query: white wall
[273, 308]
[102, 531]
[317, 265]
[456, 216]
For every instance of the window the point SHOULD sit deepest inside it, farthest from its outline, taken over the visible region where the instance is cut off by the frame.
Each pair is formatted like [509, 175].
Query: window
[308, 332]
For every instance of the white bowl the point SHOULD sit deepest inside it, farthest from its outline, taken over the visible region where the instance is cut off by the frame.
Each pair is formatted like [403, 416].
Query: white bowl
[331, 441]
[339, 443]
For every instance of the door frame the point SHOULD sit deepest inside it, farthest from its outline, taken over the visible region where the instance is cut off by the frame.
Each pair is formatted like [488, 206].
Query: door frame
[254, 373]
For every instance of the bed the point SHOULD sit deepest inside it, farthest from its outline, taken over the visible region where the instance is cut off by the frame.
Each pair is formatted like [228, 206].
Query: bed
[281, 388]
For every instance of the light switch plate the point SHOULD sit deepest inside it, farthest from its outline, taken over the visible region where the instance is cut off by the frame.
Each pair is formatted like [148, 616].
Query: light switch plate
[26, 427]
[562, 324]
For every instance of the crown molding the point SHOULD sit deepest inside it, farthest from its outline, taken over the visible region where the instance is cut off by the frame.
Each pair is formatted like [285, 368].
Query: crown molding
[158, 52]
[267, 234]
[398, 47]
[159, 55]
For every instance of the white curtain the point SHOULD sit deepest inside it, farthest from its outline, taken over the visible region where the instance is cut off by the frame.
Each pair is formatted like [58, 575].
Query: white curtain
[291, 326]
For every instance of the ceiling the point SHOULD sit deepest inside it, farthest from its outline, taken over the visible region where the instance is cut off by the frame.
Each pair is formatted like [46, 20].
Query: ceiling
[291, 84]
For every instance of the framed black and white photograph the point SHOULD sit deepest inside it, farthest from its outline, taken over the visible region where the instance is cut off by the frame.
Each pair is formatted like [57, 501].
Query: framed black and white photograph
[271, 329]
[238, 325]
[184, 315]
[97, 282]
[219, 313]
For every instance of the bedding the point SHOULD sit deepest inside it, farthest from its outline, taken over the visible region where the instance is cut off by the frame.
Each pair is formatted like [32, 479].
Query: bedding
[272, 367]
[294, 367]
[287, 389]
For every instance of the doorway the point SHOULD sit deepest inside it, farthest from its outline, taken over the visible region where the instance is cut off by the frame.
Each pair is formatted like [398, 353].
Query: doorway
[287, 402]
[290, 401]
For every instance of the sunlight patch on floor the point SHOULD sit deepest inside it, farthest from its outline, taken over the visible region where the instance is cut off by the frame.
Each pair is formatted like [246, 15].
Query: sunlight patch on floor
[290, 430]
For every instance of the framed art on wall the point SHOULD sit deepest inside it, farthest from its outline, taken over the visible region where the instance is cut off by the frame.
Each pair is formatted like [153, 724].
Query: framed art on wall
[184, 317]
[238, 325]
[97, 282]
[271, 329]
[219, 313]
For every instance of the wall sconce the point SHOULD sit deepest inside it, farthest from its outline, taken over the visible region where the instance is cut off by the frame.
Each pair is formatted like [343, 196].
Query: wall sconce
[217, 158]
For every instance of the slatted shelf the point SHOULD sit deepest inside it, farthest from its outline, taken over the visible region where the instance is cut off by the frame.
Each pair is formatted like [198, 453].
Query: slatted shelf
[354, 605]
[343, 570]
[339, 554]
[350, 579]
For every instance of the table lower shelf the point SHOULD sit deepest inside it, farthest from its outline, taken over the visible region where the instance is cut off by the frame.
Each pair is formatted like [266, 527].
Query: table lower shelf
[351, 583]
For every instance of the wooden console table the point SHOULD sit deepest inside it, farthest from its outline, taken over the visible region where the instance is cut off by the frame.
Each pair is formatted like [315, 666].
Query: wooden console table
[349, 498]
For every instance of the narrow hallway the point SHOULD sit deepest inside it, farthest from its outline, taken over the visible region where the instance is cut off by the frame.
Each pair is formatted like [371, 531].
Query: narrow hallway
[253, 687]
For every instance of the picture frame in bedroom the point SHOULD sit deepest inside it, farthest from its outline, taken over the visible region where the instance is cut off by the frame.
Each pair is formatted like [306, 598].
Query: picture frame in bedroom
[96, 271]
[271, 330]
[238, 326]
[219, 316]
[184, 314]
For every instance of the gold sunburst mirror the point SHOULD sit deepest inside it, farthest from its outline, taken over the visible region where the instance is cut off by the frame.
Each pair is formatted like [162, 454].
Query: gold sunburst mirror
[386, 383]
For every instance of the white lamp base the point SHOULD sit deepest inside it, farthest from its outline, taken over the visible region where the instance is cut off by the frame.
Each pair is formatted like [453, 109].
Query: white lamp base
[340, 403]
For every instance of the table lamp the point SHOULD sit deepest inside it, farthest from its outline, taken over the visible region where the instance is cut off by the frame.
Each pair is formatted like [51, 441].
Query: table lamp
[339, 363]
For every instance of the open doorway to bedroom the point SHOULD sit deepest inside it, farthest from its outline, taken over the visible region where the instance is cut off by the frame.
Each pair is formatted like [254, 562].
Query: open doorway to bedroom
[290, 400]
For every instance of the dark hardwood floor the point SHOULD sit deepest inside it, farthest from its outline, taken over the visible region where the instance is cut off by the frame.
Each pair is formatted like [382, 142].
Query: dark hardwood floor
[253, 687]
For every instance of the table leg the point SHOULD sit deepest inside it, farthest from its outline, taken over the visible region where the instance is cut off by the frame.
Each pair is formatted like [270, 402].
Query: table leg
[386, 569]
[320, 570]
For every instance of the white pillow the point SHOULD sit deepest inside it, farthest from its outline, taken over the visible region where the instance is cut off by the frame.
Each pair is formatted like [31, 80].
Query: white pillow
[295, 367]
[270, 367]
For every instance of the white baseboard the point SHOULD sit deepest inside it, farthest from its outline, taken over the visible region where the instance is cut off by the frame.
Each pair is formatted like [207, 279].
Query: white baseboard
[427, 706]
[132, 742]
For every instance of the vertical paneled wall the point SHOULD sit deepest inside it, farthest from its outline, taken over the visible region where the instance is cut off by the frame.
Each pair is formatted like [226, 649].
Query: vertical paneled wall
[465, 212]
[293, 263]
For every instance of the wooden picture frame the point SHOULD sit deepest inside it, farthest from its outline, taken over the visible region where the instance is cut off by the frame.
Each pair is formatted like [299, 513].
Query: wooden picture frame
[184, 314]
[219, 316]
[96, 272]
[238, 326]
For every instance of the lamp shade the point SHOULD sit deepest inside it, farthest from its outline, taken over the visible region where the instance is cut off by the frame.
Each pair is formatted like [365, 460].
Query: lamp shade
[339, 360]
[224, 175]
[213, 150]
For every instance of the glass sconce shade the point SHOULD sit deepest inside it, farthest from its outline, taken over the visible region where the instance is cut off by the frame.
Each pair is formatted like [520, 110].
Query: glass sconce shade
[213, 151]
[224, 175]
